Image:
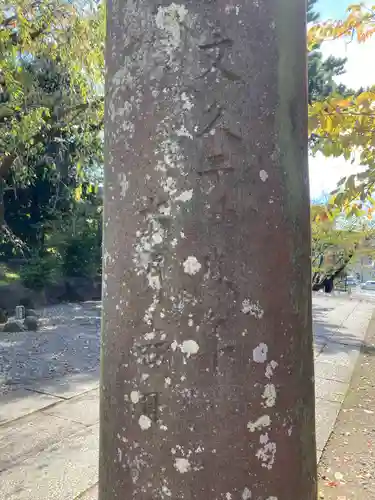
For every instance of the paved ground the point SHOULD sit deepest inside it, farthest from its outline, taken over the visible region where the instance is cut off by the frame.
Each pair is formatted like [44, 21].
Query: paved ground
[49, 395]
[346, 468]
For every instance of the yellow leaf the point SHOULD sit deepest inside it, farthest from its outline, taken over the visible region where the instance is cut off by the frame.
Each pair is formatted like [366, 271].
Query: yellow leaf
[365, 97]
[78, 193]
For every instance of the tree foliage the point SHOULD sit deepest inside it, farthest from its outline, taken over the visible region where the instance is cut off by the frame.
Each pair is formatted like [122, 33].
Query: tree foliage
[51, 112]
[344, 126]
[321, 72]
[335, 243]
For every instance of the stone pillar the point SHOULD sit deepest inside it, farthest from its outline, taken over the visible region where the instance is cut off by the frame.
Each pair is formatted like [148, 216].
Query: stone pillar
[207, 361]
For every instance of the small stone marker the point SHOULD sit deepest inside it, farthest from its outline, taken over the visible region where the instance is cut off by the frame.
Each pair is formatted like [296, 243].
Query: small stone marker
[20, 312]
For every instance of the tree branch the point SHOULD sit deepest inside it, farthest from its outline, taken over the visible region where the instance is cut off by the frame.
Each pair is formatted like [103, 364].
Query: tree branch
[54, 131]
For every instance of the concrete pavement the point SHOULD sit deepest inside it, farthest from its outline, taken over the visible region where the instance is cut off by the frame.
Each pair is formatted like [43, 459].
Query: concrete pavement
[49, 404]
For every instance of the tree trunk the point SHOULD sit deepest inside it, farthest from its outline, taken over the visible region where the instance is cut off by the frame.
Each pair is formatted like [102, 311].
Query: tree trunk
[207, 362]
[326, 281]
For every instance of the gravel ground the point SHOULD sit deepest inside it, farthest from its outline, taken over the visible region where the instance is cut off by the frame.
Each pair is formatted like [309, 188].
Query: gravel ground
[68, 341]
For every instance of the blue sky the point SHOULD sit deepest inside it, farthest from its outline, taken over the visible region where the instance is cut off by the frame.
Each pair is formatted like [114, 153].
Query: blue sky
[334, 9]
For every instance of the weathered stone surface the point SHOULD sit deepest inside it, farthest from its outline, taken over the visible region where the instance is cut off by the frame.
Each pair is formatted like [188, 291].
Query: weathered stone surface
[13, 326]
[59, 472]
[20, 402]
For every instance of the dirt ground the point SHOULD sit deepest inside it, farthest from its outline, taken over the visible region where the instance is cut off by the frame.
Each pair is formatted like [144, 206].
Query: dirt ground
[347, 466]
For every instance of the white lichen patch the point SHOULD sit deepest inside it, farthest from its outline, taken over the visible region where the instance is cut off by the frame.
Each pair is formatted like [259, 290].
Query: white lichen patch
[187, 104]
[146, 241]
[149, 335]
[166, 491]
[263, 421]
[246, 494]
[173, 159]
[228, 496]
[189, 347]
[183, 132]
[144, 422]
[157, 237]
[149, 313]
[232, 8]
[269, 395]
[169, 20]
[260, 353]
[135, 397]
[182, 465]
[167, 382]
[263, 438]
[154, 281]
[192, 265]
[267, 453]
[185, 196]
[263, 175]
[124, 184]
[270, 368]
[252, 308]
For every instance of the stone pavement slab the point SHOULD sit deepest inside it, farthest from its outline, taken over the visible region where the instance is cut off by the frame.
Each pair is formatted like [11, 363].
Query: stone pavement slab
[29, 436]
[325, 415]
[83, 409]
[340, 327]
[330, 371]
[69, 386]
[330, 390]
[90, 494]
[59, 472]
[20, 402]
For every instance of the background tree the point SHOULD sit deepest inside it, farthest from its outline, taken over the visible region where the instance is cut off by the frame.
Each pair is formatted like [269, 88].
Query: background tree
[335, 243]
[51, 145]
[322, 71]
[51, 106]
[345, 126]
